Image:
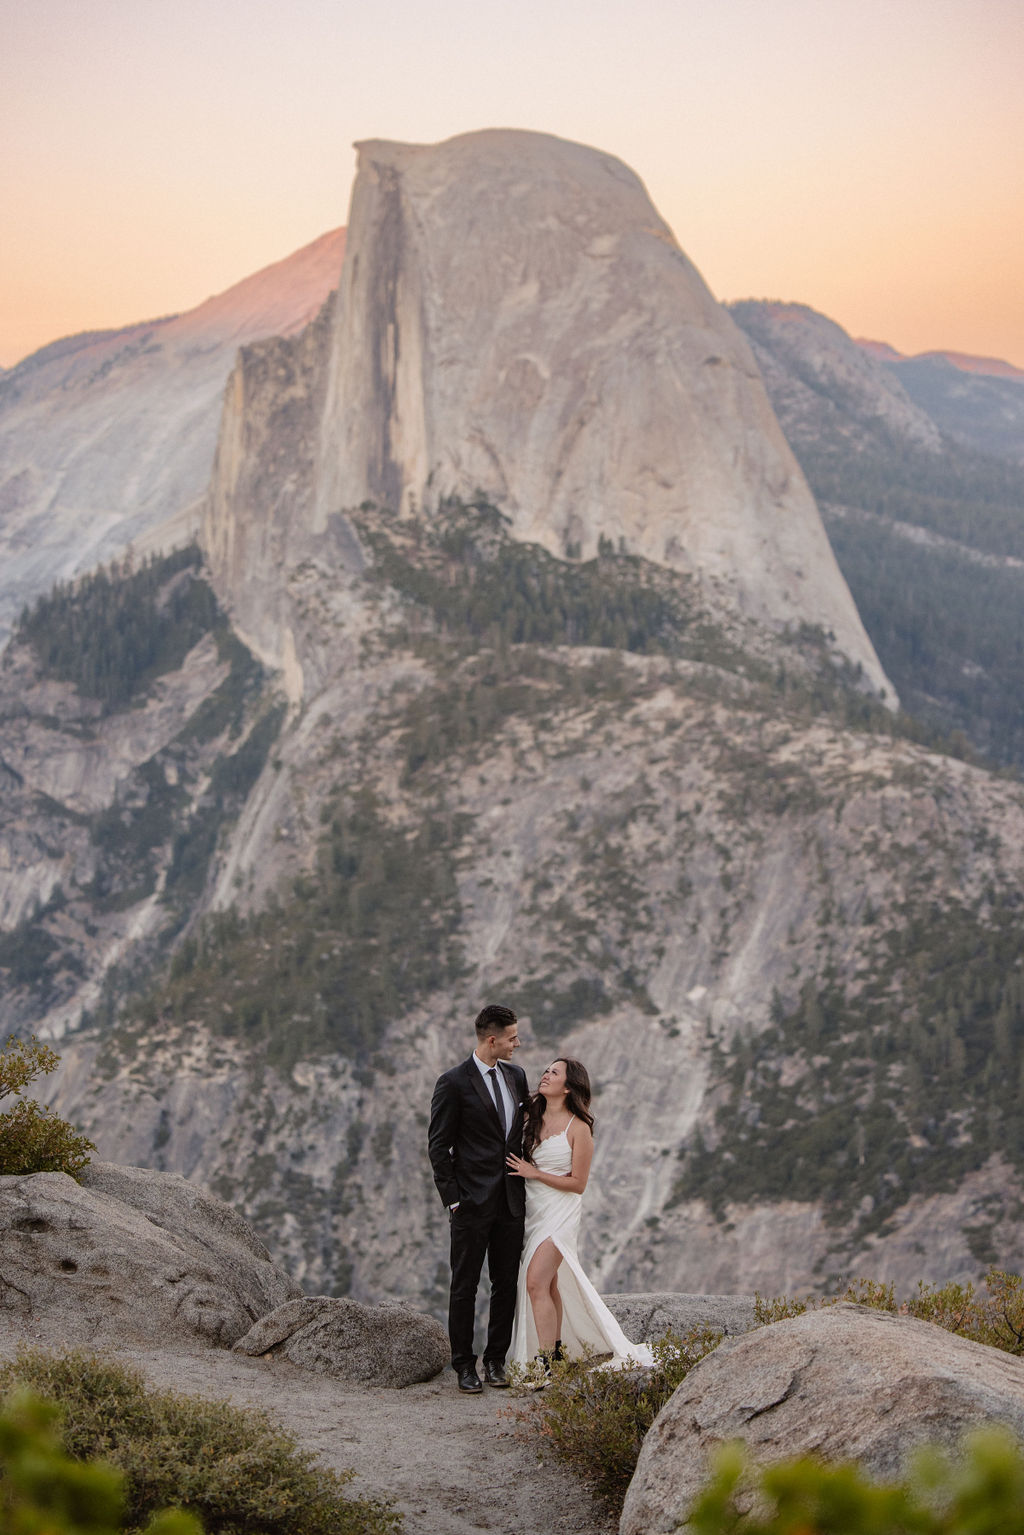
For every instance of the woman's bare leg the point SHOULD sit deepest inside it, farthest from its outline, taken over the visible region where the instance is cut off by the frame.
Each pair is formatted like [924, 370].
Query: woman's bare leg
[542, 1288]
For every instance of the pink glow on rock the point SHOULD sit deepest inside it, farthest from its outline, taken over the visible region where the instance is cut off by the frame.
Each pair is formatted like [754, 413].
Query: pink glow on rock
[993, 367]
[990, 367]
[277, 301]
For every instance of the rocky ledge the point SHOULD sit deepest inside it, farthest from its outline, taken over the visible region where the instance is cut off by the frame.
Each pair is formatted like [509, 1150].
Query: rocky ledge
[845, 1383]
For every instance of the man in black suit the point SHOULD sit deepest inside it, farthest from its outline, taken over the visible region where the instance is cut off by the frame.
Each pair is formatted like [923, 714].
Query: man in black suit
[476, 1119]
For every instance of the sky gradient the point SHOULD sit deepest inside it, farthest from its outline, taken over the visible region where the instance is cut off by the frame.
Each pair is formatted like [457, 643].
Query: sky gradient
[862, 157]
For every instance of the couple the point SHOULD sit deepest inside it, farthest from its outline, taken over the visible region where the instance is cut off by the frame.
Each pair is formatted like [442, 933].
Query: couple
[511, 1171]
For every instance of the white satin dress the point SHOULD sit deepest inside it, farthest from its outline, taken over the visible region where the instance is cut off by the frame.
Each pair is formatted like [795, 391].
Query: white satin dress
[586, 1321]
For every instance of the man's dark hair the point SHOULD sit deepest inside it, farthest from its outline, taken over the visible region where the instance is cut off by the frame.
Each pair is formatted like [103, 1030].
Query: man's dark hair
[494, 1019]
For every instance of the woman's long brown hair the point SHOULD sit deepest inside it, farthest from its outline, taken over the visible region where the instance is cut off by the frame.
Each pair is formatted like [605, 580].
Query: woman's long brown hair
[577, 1101]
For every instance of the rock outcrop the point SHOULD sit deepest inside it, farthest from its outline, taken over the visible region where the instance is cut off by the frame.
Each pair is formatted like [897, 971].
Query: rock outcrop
[516, 321]
[390, 1345]
[131, 1255]
[645, 1318]
[845, 1383]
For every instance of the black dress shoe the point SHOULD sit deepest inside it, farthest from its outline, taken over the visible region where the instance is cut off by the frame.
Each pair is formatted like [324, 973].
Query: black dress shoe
[469, 1380]
[494, 1374]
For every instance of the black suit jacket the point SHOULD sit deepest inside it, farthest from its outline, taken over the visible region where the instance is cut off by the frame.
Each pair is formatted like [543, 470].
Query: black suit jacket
[467, 1148]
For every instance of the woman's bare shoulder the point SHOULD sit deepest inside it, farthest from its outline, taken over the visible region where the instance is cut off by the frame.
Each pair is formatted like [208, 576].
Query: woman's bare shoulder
[580, 1131]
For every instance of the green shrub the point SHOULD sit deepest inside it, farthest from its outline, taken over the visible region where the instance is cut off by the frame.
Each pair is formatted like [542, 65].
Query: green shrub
[594, 1420]
[34, 1139]
[21, 1061]
[980, 1493]
[44, 1492]
[231, 1467]
[995, 1318]
[863, 1292]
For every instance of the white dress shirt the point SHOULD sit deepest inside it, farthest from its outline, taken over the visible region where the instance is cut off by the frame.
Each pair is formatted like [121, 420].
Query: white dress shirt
[503, 1087]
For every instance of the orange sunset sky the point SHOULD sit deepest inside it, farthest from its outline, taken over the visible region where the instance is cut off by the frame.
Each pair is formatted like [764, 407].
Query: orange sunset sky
[866, 158]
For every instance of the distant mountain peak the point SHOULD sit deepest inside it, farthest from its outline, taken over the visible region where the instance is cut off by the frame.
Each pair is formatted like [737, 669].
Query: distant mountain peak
[977, 401]
[108, 436]
[880, 349]
[966, 362]
[991, 367]
[515, 319]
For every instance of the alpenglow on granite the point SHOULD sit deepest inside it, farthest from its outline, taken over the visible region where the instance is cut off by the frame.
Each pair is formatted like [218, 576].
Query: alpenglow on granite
[515, 320]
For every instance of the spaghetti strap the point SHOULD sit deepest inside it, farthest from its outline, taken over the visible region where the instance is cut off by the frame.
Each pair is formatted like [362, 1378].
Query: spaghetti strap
[553, 1214]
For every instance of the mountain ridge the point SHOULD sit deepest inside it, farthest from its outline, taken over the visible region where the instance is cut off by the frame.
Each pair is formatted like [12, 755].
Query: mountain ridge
[107, 437]
[966, 362]
[916, 470]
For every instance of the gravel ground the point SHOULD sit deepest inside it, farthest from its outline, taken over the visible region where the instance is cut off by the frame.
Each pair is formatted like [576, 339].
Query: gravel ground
[449, 1462]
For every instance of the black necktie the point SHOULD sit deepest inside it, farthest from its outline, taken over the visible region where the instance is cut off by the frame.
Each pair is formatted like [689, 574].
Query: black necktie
[499, 1102]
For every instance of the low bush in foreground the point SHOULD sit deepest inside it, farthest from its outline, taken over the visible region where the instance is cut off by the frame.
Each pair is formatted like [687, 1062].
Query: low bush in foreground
[595, 1420]
[44, 1492]
[980, 1493]
[232, 1468]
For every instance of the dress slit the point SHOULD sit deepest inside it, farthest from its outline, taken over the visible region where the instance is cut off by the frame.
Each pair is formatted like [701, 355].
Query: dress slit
[587, 1324]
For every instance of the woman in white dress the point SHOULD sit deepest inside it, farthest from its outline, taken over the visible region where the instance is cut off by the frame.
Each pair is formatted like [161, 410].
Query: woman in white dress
[559, 1314]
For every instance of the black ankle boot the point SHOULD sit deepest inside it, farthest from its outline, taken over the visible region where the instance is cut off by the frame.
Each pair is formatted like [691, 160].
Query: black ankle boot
[559, 1353]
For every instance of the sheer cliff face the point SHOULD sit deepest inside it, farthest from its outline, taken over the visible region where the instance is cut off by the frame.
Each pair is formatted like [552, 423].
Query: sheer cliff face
[515, 319]
[257, 518]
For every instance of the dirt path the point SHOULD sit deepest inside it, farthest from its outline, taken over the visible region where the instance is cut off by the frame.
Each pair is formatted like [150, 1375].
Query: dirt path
[449, 1461]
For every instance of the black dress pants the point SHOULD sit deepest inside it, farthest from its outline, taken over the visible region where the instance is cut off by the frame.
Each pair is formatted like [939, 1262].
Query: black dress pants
[499, 1234]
